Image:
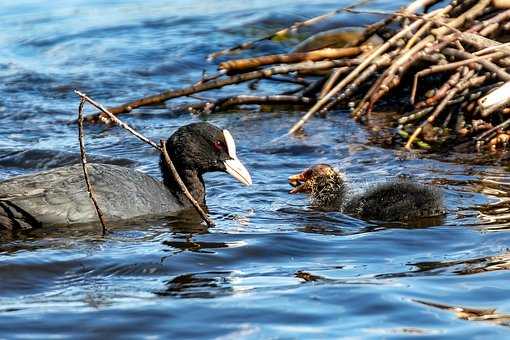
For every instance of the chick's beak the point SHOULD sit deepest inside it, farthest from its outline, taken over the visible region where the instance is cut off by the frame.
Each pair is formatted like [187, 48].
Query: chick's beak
[298, 182]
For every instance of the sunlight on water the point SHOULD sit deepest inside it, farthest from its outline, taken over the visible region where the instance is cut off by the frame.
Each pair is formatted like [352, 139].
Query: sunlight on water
[273, 266]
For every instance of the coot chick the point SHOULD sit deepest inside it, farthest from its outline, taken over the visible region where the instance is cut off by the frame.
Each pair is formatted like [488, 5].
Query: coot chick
[59, 196]
[397, 200]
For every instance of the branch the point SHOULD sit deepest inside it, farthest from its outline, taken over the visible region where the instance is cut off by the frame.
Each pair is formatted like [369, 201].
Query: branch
[185, 190]
[210, 106]
[83, 158]
[325, 53]
[218, 83]
[160, 148]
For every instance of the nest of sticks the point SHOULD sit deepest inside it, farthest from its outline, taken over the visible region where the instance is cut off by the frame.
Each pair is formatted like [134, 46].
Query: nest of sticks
[440, 67]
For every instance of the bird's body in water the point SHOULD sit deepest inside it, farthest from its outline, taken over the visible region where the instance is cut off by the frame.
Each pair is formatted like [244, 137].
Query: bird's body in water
[397, 200]
[59, 196]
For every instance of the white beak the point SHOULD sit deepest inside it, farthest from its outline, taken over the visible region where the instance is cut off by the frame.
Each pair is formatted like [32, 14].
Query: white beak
[234, 166]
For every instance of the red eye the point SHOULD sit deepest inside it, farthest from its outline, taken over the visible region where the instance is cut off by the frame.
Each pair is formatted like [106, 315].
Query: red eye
[218, 145]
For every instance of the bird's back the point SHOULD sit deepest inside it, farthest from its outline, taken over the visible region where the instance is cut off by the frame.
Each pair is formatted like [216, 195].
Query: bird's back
[59, 196]
[397, 201]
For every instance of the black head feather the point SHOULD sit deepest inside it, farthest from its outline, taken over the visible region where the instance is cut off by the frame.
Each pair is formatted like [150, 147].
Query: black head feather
[198, 146]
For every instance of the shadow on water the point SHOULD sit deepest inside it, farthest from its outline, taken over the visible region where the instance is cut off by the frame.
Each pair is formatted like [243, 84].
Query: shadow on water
[466, 266]
[317, 221]
[206, 285]
[190, 245]
[186, 223]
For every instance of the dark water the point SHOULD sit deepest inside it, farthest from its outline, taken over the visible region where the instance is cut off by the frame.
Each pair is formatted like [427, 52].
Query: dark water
[271, 267]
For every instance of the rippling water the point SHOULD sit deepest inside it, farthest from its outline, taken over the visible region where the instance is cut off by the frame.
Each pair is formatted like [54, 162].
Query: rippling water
[272, 266]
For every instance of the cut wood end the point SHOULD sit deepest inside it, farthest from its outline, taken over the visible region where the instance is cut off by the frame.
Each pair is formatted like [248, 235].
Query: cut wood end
[497, 97]
[501, 3]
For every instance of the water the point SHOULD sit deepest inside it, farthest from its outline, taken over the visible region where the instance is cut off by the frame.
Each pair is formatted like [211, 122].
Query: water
[272, 267]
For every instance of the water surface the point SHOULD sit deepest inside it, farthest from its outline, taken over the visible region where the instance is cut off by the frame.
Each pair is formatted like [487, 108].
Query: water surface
[272, 267]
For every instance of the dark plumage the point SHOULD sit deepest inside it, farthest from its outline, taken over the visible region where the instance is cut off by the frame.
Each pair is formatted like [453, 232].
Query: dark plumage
[59, 196]
[398, 200]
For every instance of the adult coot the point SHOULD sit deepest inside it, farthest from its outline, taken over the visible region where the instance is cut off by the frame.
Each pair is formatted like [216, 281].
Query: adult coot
[59, 196]
[398, 200]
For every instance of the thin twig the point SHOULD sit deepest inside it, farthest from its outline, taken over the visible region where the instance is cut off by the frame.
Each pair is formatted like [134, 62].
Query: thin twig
[489, 133]
[160, 148]
[83, 158]
[116, 120]
[332, 80]
[181, 184]
[447, 67]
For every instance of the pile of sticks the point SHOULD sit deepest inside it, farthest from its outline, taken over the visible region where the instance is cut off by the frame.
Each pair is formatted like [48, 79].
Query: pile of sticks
[445, 62]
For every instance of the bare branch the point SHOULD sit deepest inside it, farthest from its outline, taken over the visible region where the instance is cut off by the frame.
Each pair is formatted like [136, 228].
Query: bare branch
[161, 148]
[83, 158]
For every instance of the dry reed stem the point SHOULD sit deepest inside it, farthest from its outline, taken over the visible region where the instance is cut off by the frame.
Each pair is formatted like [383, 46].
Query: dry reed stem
[504, 46]
[487, 64]
[467, 81]
[484, 137]
[332, 79]
[419, 33]
[464, 97]
[380, 62]
[351, 76]
[448, 67]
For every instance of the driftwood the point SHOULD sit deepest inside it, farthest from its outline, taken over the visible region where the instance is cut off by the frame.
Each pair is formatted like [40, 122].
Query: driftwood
[439, 60]
[207, 106]
[325, 53]
[218, 83]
